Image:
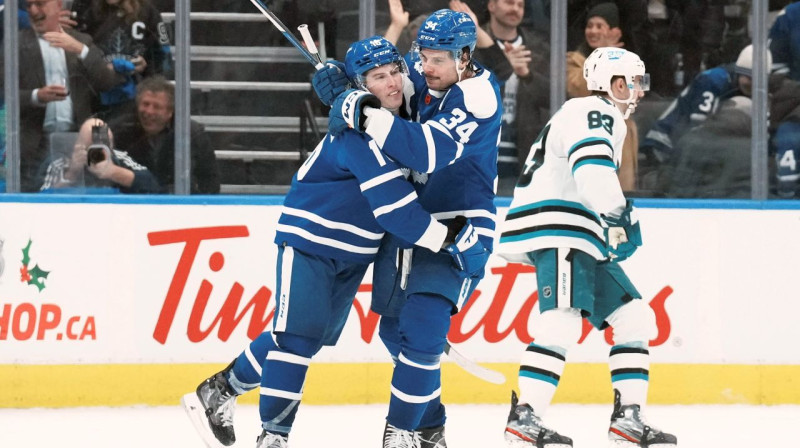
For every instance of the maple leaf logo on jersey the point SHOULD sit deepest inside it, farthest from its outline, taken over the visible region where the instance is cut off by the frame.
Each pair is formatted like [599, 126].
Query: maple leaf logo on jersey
[32, 276]
[420, 178]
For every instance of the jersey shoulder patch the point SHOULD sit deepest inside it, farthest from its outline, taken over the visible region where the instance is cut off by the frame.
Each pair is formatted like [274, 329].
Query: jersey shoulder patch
[480, 98]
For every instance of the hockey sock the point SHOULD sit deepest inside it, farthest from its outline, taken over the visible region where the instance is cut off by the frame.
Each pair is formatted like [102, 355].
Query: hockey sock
[424, 322]
[630, 372]
[246, 372]
[539, 373]
[434, 414]
[282, 380]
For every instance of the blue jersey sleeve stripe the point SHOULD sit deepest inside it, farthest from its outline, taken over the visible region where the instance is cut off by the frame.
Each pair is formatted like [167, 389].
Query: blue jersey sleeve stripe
[378, 180]
[332, 224]
[395, 205]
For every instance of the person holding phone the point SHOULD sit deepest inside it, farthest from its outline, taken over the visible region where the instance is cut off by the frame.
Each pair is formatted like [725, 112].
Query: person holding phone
[94, 163]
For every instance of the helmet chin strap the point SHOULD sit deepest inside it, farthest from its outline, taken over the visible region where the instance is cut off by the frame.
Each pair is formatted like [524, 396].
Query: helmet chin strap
[630, 102]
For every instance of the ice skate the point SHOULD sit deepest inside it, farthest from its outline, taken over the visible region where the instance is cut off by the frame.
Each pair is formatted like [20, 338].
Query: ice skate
[628, 429]
[432, 437]
[271, 440]
[210, 408]
[394, 437]
[525, 429]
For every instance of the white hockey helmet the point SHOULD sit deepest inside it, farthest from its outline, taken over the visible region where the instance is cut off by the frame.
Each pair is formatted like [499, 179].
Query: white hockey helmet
[606, 62]
[744, 63]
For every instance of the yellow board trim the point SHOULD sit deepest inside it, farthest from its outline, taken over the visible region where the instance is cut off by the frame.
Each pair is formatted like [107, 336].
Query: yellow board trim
[26, 386]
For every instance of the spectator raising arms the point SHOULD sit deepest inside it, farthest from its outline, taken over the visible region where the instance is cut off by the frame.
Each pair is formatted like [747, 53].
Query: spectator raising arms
[134, 39]
[59, 71]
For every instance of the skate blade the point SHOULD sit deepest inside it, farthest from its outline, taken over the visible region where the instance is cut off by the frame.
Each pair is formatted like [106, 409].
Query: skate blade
[515, 442]
[627, 444]
[197, 415]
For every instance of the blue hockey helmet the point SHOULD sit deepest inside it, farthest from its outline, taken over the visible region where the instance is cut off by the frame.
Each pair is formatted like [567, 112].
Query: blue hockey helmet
[366, 54]
[450, 30]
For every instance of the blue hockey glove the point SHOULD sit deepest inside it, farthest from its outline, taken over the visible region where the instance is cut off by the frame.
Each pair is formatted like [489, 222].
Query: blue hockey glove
[347, 111]
[623, 234]
[463, 245]
[330, 81]
[123, 66]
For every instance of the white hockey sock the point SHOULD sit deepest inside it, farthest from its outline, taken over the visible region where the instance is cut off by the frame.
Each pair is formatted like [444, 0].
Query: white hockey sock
[539, 373]
[630, 372]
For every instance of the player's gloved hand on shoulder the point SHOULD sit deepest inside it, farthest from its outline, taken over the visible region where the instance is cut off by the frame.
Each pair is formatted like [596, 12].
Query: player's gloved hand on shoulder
[347, 111]
[330, 81]
[123, 66]
[623, 234]
[463, 245]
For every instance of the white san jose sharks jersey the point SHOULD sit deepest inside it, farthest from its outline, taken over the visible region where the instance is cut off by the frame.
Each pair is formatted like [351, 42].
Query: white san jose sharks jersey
[343, 198]
[568, 182]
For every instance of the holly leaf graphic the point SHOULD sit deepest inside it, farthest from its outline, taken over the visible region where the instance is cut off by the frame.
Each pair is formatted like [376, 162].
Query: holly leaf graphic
[25, 257]
[37, 277]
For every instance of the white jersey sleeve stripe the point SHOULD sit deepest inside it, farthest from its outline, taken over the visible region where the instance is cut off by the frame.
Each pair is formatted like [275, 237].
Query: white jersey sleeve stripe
[326, 241]
[383, 178]
[395, 205]
[332, 224]
[431, 145]
[474, 213]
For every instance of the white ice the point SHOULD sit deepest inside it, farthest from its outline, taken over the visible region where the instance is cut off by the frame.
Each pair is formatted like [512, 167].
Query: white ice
[359, 426]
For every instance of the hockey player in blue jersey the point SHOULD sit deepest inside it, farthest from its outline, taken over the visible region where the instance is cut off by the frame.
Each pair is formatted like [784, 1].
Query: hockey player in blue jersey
[341, 201]
[784, 44]
[452, 148]
[570, 219]
[784, 41]
[697, 102]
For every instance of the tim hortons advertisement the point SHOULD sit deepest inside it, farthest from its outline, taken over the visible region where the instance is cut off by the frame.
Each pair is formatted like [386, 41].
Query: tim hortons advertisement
[123, 283]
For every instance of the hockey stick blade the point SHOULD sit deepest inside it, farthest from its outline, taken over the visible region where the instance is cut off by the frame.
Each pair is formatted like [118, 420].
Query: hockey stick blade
[285, 31]
[486, 374]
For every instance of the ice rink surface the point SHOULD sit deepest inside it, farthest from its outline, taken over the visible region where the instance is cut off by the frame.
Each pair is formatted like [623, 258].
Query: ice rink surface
[702, 426]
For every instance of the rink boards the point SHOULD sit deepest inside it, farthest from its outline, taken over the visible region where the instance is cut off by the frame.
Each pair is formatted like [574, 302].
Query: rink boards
[130, 300]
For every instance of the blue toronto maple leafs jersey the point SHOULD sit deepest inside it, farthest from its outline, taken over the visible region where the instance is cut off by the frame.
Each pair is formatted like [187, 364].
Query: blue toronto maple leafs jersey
[694, 105]
[784, 41]
[451, 145]
[345, 196]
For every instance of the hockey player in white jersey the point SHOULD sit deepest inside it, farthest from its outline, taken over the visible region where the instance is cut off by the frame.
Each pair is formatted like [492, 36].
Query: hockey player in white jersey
[451, 145]
[341, 201]
[569, 218]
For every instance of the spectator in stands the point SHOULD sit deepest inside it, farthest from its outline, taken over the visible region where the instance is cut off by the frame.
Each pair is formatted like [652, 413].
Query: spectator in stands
[59, 71]
[95, 163]
[603, 30]
[149, 137]
[716, 159]
[520, 58]
[699, 101]
[134, 39]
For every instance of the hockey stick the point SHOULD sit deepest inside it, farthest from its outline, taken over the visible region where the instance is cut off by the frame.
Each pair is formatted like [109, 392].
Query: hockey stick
[486, 374]
[312, 47]
[282, 28]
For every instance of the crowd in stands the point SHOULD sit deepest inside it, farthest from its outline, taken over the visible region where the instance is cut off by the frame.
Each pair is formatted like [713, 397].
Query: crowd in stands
[85, 60]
